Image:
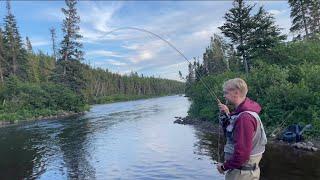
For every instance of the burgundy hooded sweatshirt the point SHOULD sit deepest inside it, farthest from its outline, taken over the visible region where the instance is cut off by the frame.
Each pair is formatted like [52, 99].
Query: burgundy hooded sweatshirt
[244, 131]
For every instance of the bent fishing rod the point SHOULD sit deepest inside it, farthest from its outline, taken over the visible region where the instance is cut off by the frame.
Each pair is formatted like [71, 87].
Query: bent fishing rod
[211, 92]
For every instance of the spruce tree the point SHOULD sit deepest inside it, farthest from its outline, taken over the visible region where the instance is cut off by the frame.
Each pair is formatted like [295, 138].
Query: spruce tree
[314, 21]
[299, 15]
[265, 34]
[234, 63]
[53, 39]
[69, 69]
[200, 70]
[13, 44]
[71, 48]
[219, 54]
[28, 45]
[238, 27]
[2, 58]
[12, 39]
[214, 59]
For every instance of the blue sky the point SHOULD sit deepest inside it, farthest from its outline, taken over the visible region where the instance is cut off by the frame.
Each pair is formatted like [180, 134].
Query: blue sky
[188, 25]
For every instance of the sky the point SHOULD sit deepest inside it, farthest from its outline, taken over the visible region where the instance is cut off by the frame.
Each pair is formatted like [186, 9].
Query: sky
[188, 25]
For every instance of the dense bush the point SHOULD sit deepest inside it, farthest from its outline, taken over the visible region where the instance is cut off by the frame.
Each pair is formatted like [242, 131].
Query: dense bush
[288, 90]
[27, 100]
[293, 53]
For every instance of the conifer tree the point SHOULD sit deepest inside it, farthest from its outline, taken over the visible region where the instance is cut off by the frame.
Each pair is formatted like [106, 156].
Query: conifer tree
[69, 69]
[200, 70]
[28, 45]
[214, 59]
[12, 38]
[13, 44]
[71, 48]
[265, 34]
[2, 58]
[234, 63]
[53, 39]
[314, 21]
[238, 27]
[299, 15]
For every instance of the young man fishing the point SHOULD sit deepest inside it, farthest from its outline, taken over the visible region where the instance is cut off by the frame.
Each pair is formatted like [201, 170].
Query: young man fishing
[246, 138]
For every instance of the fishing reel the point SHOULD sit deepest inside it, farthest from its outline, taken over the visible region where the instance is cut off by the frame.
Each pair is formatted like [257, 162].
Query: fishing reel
[223, 118]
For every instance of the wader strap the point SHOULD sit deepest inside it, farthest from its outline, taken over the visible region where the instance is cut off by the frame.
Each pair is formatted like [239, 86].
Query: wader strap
[248, 167]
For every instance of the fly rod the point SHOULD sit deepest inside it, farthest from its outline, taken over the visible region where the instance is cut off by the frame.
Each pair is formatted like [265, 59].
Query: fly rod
[211, 92]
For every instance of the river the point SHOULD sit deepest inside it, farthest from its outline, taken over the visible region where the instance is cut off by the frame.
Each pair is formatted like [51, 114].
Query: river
[126, 140]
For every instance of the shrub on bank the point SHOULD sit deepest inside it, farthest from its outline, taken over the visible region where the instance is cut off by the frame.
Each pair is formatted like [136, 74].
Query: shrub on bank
[21, 100]
[286, 94]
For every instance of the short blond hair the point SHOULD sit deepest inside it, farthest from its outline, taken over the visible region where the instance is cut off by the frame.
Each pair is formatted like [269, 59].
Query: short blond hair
[236, 84]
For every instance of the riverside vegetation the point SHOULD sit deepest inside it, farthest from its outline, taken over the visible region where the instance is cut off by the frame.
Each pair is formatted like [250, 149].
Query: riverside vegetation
[35, 84]
[282, 75]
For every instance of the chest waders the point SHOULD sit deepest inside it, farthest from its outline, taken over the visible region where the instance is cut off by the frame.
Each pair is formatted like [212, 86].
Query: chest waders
[258, 142]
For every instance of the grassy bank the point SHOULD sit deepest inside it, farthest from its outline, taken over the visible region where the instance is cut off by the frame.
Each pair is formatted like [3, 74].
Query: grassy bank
[122, 97]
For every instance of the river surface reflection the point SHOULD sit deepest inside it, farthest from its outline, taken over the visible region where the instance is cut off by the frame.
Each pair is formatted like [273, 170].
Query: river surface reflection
[126, 140]
[130, 140]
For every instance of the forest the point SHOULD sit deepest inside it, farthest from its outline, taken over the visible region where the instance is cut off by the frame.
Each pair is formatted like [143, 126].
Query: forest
[38, 84]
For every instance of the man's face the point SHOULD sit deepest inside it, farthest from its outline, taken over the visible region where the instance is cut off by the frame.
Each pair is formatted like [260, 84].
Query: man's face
[229, 95]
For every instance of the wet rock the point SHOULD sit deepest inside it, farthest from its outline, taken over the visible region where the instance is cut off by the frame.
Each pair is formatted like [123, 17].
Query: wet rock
[305, 146]
[314, 149]
[309, 143]
[298, 145]
[308, 148]
[178, 121]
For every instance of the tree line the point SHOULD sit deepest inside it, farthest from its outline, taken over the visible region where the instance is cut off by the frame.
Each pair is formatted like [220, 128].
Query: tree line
[38, 84]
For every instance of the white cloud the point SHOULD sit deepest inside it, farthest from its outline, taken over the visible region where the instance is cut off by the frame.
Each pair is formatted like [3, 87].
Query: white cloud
[277, 12]
[39, 42]
[188, 26]
[116, 63]
[131, 46]
[142, 56]
[99, 14]
[105, 53]
[145, 55]
[107, 62]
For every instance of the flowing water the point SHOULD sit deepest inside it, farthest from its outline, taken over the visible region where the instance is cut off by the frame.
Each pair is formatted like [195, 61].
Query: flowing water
[128, 140]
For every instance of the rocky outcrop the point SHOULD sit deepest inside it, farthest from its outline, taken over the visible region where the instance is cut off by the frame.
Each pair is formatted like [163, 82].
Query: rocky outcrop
[204, 125]
[179, 120]
[305, 145]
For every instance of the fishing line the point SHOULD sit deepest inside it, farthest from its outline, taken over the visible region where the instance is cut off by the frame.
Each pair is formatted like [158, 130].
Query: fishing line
[171, 45]
[211, 92]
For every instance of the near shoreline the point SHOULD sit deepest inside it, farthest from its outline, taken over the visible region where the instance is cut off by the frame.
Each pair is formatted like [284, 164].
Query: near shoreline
[65, 114]
[4, 123]
[211, 128]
